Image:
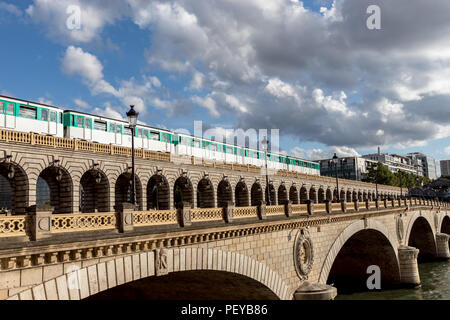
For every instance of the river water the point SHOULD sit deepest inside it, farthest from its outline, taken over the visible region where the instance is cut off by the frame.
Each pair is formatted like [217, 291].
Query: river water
[435, 278]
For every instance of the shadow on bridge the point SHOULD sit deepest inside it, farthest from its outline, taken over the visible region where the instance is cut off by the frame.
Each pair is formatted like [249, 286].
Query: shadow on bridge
[190, 285]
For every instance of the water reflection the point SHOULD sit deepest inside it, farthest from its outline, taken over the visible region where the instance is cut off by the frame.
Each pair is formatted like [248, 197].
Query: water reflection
[435, 278]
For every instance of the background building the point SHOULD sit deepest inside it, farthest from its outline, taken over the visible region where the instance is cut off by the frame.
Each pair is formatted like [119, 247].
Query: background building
[445, 167]
[353, 168]
[428, 163]
[396, 162]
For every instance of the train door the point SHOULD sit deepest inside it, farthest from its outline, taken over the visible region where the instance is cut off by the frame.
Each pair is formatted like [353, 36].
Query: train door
[10, 119]
[118, 134]
[52, 124]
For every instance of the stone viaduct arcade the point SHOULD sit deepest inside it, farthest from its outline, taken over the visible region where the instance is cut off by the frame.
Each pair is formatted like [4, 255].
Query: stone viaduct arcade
[198, 223]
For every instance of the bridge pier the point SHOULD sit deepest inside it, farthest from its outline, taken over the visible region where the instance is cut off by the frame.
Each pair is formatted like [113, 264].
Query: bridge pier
[315, 291]
[442, 243]
[409, 270]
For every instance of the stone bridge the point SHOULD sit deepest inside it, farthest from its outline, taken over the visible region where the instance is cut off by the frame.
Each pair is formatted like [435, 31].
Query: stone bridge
[264, 252]
[195, 222]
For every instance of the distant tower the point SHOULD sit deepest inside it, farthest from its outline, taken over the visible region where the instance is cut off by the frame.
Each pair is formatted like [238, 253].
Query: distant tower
[379, 151]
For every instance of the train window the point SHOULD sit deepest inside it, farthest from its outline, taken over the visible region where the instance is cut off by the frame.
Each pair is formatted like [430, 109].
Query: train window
[118, 128]
[100, 125]
[44, 114]
[154, 135]
[60, 117]
[28, 112]
[196, 143]
[213, 147]
[87, 123]
[205, 144]
[2, 104]
[10, 108]
[80, 122]
[113, 127]
[127, 131]
[229, 150]
[53, 116]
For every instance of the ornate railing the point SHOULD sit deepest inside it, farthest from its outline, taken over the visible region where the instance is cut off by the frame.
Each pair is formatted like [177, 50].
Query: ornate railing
[245, 212]
[206, 214]
[320, 207]
[274, 210]
[299, 208]
[154, 218]
[83, 222]
[12, 226]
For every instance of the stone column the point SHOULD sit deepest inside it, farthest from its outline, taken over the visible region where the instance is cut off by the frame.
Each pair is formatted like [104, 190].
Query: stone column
[385, 202]
[343, 206]
[356, 205]
[40, 219]
[288, 208]
[228, 211]
[310, 207]
[315, 291]
[367, 204]
[184, 213]
[328, 207]
[409, 271]
[124, 214]
[262, 210]
[443, 251]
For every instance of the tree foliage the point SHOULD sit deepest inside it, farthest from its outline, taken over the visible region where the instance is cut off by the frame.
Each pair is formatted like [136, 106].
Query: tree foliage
[382, 175]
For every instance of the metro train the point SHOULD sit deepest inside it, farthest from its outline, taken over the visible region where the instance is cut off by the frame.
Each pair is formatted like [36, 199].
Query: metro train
[27, 116]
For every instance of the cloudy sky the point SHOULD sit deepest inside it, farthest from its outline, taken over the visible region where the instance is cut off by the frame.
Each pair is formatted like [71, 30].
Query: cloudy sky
[311, 69]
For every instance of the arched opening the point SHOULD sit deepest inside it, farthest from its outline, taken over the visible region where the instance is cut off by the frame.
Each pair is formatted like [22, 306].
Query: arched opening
[445, 226]
[190, 285]
[123, 190]
[349, 272]
[241, 194]
[54, 187]
[271, 195]
[369, 196]
[158, 193]
[183, 191]
[349, 196]
[205, 192]
[282, 194]
[257, 194]
[224, 193]
[321, 196]
[329, 195]
[354, 196]
[303, 195]
[13, 188]
[422, 238]
[365, 196]
[293, 195]
[94, 192]
[360, 197]
[342, 195]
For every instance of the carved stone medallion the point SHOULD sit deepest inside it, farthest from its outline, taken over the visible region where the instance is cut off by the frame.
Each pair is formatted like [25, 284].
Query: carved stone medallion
[303, 254]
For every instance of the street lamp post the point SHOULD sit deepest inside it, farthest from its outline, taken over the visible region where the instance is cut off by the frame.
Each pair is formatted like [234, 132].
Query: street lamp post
[375, 167]
[335, 162]
[265, 144]
[132, 116]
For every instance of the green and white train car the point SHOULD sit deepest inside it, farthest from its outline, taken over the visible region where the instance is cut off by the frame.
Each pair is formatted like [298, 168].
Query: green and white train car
[100, 129]
[27, 116]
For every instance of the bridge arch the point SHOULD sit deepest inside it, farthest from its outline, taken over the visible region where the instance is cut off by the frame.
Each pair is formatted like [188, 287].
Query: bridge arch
[303, 195]
[205, 193]
[158, 193]
[14, 188]
[421, 235]
[272, 194]
[85, 282]
[123, 189]
[282, 194]
[54, 186]
[349, 196]
[342, 195]
[241, 194]
[445, 225]
[321, 195]
[94, 191]
[224, 193]
[359, 226]
[329, 195]
[293, 194]
[183, 191]
[256, 194]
